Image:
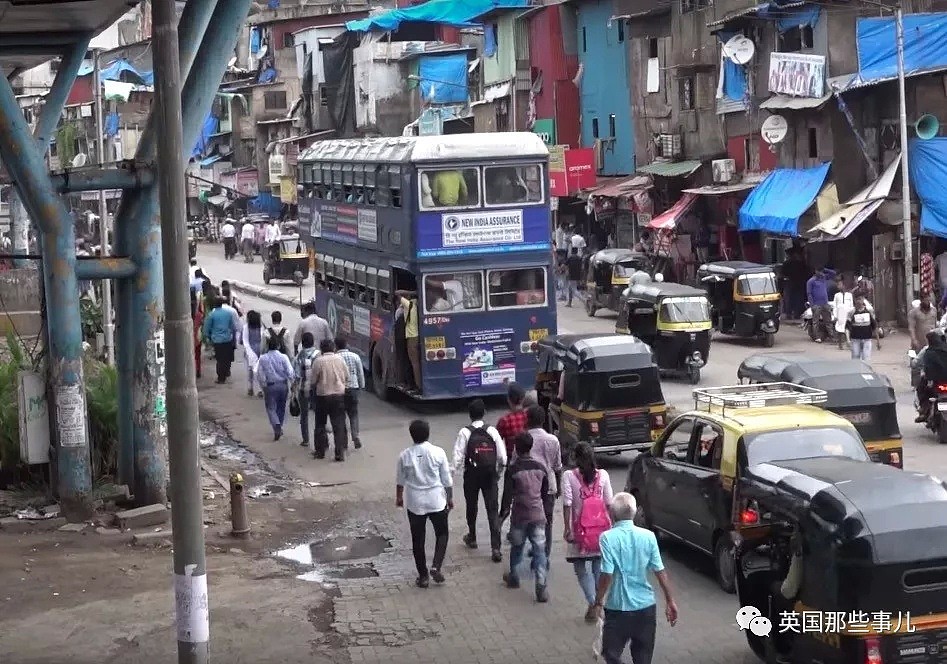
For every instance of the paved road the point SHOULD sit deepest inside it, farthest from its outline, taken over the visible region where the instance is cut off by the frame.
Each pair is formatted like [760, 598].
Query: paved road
[473, 619]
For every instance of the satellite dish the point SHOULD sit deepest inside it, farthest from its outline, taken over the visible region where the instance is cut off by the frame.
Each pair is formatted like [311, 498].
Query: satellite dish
[739, 49]
[80, 160]
[774, 129]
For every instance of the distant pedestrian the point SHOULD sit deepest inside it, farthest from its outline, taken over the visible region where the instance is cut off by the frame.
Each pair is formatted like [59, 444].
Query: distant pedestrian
[229, 232]
[546, 448]
[921, 320]
[232, 301]
[514, 421]
[586, 495]
[479, 450]
[862, 328]
[276, 333]
[312, 323]
[817, 290]
[624, 592]
[221, 328]
[328, 379]
[354, 384]
[302, 366]
[425, 490]
[574, 275]
[275, 374]
[197, 320]
[252, 340]
[525, 487]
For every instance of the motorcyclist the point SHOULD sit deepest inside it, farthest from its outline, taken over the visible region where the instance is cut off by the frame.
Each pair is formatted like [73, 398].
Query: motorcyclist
[933, 372]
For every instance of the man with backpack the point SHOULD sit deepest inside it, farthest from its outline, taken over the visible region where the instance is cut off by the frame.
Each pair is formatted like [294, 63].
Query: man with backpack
[479, 449]
[302, 365]
[276, 334]
[546, 448]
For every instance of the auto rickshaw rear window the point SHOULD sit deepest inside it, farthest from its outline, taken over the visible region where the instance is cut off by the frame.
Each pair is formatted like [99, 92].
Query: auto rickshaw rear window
[624, 380]
[803, 443]
[762, 283]
[932, 578]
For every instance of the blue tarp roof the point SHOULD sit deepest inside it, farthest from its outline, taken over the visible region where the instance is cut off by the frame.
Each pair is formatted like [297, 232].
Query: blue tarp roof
[449, 12]
[925, 48]
[927, 161]
[114, 71]
[777, 202]
[210, 161]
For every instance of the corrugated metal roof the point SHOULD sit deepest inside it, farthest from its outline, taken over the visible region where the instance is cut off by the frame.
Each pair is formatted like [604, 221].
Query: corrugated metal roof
[670, 169]
[747, 11]
[847, 82]
[620, 186]
[726, 105]
[794, 103]
[720, 189]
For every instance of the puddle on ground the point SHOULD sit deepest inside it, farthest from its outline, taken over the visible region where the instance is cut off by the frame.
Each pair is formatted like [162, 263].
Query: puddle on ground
[328, 557]
[227, 456]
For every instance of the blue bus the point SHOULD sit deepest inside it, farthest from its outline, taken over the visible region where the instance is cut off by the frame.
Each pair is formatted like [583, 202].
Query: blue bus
[461, 223]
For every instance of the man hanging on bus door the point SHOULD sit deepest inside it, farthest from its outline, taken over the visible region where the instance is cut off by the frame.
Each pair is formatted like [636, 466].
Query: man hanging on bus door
[409, 305]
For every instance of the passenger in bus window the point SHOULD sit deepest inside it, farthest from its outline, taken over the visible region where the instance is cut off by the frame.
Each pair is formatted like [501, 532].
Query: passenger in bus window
[449, 188]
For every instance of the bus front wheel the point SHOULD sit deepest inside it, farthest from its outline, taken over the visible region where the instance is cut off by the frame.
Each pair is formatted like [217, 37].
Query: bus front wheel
[378, 378]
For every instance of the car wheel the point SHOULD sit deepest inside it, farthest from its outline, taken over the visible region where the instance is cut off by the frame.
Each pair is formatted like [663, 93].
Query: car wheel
[266, 276]
[725, 563]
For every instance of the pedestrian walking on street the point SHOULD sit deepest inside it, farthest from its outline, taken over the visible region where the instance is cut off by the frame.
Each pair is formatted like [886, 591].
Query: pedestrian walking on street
[921, 320]
[197, 321]
[546, 448]
[624, 592]
[817, 290]
[275, 336]
[573, 275]
[862, 328]
[524, 494]
[586, 496]
[252, 339]
[312, 323]
[425, 490]
[275, 374]
[302, 367]
[480, 451]
[514, 422]
[229, 233]
[328, 379]
[230, 299]
[354, 384]
[221, 328]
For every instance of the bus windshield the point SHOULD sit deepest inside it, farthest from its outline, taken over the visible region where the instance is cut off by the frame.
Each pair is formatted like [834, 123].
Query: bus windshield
[762, 283]
[685, 310]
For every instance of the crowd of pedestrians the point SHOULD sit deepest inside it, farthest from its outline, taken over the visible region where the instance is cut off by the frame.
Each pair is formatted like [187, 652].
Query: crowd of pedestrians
[612, 558]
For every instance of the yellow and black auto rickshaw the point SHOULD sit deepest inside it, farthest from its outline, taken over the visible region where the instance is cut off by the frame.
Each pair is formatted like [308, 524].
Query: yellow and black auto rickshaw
[674, 320]
[846, 560]
[287, 259]
[855, 391]
[744, 299]
[603, 389]
[609, 274]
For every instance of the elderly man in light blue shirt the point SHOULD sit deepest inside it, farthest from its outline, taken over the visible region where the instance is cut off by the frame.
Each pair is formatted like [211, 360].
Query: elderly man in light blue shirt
[275, 374]
[628, 554]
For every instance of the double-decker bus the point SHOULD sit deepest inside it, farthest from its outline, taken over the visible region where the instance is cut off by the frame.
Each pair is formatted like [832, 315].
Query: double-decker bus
[461, 221]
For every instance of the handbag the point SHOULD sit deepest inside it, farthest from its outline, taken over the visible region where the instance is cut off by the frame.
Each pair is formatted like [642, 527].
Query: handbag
[294, 406]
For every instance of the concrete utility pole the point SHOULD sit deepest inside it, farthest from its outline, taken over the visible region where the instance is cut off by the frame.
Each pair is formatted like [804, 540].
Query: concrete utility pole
[105, 224]
[190, 570]
[905, 176]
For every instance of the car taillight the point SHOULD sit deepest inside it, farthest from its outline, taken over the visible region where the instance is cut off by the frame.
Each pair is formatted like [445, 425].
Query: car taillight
[657, 420]
[749, 516]
[895, 459]
[873, 652]
[593, 427]
[941, 388]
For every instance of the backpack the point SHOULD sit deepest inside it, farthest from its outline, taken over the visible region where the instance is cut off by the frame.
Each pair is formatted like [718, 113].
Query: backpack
[481, 449]
[593, 520]
[276, 341]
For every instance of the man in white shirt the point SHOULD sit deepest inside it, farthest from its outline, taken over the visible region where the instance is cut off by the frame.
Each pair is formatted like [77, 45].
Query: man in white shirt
[480, 450]
[272, 233]
[425, 490]
[578, 242]
[247, 233]
[229, 233]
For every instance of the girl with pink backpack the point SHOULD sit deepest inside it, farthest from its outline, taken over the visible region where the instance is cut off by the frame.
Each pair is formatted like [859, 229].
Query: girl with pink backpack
[586, 495]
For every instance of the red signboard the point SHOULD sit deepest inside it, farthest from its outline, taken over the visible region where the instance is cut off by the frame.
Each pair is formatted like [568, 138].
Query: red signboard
[570, 170]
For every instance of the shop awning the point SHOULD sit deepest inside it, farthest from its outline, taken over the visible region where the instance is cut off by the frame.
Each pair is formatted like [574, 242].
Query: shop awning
[667, 219]
[618, 187]
[670, 169]
[776, 204]
[721, 189]
[794, 103]
[858, 208]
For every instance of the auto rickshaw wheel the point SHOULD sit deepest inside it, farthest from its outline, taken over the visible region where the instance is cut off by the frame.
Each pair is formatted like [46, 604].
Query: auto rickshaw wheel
[769, 339]
[590, 307]
[266, 276]
[725, 563]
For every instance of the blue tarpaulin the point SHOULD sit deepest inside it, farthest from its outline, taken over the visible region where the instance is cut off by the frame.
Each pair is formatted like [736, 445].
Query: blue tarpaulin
[489, 41]
[211, 126]
[777, 202]
[449, 12]
[443, 78]
[925, 47]
[734, 75]
[797, 17]
[210, 161]
[254, 40]
[111, 124]
[268, 75]
[927, 161]
[114, 71]
[265, 203]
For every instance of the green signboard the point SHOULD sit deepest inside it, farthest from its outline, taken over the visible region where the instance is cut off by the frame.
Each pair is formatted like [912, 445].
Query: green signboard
[546, 129]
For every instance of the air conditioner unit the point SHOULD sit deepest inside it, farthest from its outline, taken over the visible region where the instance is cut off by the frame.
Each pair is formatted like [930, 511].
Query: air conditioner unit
[669, 145]
[723, 170]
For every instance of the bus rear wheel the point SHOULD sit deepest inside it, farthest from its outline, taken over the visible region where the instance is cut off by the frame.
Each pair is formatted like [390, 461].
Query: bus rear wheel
[378, 378]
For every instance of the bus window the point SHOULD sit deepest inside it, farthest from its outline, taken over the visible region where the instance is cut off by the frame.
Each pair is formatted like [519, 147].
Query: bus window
[331, 283]
[320, 270]
[348, 177]
[360, 184]
[369, 184]
[316, 173]
[350, 288]
[506, 185]
[449, 188]
[336, 182]
[517, 287]
[394, 184]
[326, 180]
[457, 292]
[382, 193]
[384, 290]
[361, 286]
[371, 286]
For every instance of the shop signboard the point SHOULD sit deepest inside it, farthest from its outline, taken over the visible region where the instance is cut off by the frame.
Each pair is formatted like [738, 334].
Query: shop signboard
[570, 171]
[797, 74]
[248, 182]
[545, 128]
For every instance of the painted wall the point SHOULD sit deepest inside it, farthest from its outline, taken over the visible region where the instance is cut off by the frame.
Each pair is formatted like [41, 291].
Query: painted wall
[382, 98]
[603, 89]
[557, 62]
[502, 65]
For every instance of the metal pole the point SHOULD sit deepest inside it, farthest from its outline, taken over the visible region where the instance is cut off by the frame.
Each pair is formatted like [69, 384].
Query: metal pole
[105, 224]
[187, 522]
[905, 176]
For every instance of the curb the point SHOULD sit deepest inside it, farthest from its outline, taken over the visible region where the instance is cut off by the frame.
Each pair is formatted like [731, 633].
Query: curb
[268, 294]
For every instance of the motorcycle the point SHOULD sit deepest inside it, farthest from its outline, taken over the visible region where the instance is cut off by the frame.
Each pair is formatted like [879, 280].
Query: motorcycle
[936, 419]
[829, 328]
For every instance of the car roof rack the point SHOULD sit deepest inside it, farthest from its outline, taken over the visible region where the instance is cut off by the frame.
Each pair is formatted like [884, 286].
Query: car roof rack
[760, 395]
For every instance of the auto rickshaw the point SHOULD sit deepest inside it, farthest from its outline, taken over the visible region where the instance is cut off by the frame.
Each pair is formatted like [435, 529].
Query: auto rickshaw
[855, 392]
[609, 273]
[861, 549]
[744, 299]
[286, 259]
[603, 389]
[674, 320]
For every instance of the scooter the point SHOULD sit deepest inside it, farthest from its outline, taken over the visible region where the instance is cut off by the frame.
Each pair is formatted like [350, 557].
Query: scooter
[937, 408]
